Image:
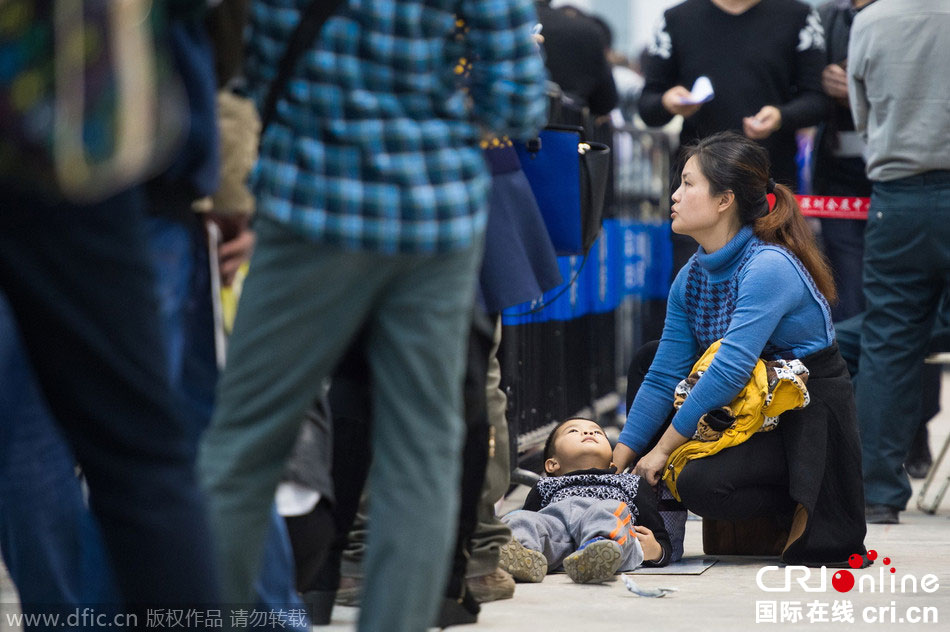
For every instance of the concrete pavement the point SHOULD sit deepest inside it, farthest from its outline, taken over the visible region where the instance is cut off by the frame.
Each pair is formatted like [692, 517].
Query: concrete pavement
[727, 596]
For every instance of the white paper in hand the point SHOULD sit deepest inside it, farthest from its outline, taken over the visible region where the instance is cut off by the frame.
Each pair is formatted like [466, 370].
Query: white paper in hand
[701, 93]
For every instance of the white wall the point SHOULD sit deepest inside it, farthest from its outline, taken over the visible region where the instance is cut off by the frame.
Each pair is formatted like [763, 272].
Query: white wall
[632, 21]
[646, 14]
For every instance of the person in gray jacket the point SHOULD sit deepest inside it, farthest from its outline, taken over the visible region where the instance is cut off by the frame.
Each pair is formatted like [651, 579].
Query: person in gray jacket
[896, 53]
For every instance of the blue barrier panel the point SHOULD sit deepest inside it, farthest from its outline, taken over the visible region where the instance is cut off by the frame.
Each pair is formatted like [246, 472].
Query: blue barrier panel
[631, 258]
[647, 258]
[575, 305]
[602, 290]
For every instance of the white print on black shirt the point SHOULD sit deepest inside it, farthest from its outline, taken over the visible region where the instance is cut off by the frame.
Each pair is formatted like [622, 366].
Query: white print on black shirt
[811, 35]
[662, 45]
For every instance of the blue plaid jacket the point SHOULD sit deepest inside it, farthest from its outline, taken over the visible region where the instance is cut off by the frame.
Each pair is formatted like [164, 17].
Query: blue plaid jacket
[374, 145]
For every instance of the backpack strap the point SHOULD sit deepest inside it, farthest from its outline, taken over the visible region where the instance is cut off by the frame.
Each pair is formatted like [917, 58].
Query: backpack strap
[311, 21]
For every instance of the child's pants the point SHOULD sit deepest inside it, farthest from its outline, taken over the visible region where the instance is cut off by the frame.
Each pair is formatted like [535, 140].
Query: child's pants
[558, 529]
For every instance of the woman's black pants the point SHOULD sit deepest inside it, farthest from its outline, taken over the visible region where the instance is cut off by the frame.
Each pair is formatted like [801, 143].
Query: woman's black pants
[745, 481]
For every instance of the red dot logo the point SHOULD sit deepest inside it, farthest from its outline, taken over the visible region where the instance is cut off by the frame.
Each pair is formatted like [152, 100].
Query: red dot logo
[886, 561]
[872, 555]
[855, 561]
[842, 581]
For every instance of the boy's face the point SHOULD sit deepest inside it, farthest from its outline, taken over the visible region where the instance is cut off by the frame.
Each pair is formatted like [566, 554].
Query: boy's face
[579, 444]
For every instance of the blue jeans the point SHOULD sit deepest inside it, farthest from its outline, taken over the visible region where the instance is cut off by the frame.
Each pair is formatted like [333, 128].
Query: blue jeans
[843, 241]
[179, 254]
[80, 286]
[906, 271]
[50, 541]
[183, 284]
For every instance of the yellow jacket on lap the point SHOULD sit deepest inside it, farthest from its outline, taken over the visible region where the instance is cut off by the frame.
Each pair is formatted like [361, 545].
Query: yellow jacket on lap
[773, 388]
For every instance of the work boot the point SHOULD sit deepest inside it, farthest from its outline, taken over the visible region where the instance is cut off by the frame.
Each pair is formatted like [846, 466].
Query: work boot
[498, 584]
[349, 592]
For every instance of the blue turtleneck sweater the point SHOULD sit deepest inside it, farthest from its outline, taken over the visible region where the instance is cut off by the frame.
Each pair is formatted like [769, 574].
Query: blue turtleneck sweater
[759, 299]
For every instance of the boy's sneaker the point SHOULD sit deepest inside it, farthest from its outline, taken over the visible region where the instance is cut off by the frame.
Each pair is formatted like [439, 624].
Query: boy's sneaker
[594, 562]
[524, 564]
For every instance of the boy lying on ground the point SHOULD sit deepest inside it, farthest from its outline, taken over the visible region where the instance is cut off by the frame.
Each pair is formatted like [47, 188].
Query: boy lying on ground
[583, 514]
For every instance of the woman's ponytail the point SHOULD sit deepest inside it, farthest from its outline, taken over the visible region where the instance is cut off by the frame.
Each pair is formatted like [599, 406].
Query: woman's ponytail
[786, 226]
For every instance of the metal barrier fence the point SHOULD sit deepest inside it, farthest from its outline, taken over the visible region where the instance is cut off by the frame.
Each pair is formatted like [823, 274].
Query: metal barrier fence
[568, 355]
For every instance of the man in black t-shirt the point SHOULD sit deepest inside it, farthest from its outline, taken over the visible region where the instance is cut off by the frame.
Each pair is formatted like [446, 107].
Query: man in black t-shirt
[764, 59]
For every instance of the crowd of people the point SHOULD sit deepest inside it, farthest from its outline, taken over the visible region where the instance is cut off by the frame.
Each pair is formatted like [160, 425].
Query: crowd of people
[360, 156]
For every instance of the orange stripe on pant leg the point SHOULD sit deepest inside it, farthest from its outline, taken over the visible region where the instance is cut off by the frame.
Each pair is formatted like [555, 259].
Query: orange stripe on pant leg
[620, 525]
[613, 534]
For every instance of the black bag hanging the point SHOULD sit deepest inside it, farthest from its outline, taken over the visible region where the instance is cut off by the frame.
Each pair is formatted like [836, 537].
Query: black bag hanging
[568, 177]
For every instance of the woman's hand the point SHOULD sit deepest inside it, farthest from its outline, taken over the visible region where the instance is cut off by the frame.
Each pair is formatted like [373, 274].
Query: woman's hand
[652, 465]
[624, 457]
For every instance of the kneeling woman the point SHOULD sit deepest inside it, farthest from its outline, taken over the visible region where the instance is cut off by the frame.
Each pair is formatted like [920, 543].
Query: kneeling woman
[759, 283]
